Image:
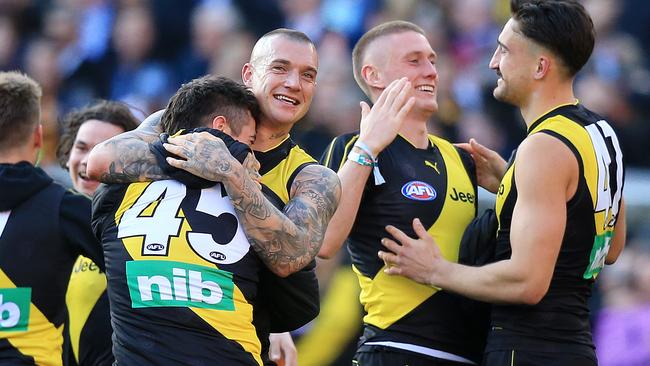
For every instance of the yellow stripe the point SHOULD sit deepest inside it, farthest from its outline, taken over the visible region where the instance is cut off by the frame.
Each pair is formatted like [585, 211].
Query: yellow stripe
[84, 290]
[276, 179]
[512, 358]
[346, 150]
[42, 340]
[338, 322]
[330, 149]
[236, 325]
[448, 229]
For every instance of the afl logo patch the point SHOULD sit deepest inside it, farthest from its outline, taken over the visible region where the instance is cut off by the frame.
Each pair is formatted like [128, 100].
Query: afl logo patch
[418, 191]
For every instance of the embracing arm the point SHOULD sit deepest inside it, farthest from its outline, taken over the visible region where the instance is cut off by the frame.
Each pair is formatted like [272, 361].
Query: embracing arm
[286, 241]
[126, 158]
[536, 234]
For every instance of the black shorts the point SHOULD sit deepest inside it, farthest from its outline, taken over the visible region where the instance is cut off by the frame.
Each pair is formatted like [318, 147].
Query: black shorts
[386, 356]
[536, 358]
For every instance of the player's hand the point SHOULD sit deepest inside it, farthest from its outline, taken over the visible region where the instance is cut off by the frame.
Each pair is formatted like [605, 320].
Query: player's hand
[418, 259]
[490, 166]
[380, 124]
[203, 155]
[282, 350]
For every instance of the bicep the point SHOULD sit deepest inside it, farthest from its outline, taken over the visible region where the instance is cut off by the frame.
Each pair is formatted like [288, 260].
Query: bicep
[315, 195]
[543, 172]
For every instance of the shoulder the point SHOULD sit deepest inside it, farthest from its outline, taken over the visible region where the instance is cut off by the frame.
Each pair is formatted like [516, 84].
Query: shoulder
[338, 149]
[542, 158]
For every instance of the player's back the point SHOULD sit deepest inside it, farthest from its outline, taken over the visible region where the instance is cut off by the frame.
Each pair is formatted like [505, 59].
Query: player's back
[181, 275]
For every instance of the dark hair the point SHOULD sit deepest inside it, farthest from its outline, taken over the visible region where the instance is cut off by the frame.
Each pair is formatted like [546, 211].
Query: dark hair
[20, 108]
[197, 102]
[115, 113]
[562, 26]
[384, 29]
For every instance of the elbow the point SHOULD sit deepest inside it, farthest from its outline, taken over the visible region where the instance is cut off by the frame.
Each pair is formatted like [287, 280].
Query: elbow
[97, 164]
[532, 294]
[326, 253]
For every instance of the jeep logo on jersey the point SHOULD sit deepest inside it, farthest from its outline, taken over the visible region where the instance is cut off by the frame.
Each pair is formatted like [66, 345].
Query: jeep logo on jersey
[14, 308]
[418, 191]
[177, 284]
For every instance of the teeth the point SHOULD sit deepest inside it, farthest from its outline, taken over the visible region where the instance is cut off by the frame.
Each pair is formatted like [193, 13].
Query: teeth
[425, 88]
[286, 99]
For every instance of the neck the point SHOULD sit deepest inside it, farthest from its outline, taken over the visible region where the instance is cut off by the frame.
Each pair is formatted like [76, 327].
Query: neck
[268, 136]
[17, 155]
[545, 99]
[415, 131]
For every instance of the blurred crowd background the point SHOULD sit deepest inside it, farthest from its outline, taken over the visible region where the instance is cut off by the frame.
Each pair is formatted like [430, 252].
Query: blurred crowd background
[140, 52]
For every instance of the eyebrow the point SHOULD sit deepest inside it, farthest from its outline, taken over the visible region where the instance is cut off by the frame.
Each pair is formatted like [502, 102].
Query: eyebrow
[417, 53]
[287, 62]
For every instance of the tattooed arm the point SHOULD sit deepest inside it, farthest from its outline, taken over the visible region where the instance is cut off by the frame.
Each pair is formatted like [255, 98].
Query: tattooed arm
[286, 241]
[126, 158]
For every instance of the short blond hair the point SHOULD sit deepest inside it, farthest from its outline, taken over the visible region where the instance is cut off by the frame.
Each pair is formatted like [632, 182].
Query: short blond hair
[384, 29]
[20, 108]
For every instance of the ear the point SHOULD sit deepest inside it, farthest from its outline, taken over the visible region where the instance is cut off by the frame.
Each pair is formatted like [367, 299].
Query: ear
[543, 67]
[370, 74]
[38, 136]
[247, 74]
[220, 123]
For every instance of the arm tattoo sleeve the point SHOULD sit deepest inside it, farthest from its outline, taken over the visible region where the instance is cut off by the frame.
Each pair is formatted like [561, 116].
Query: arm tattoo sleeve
[131, 160]
[287, 241]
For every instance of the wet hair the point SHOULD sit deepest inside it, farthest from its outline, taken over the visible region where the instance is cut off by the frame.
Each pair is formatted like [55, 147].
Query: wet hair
[562, 26]
[20, 108]
[199, 101]
[115, 113]
[384, 29]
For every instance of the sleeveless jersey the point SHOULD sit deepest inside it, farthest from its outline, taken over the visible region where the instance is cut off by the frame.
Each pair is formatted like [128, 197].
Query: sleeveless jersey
[436, 185]
[182, 278]
[562, 316]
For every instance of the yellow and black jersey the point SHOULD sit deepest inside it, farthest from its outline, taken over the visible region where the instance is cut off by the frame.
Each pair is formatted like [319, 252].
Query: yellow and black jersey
[284, 304]
[43, 229]
[436, 185]
[181, 275]
[182, 279]
[562, 316]
[89, 320]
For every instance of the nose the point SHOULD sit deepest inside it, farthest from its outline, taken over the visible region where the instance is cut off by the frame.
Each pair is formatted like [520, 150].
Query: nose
[431, 70]
[292, 80]
[494, 61]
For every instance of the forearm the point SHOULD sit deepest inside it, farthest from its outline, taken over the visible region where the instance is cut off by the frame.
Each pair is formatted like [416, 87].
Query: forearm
[499, 282]
[353, 180]
[285, 241]
[126, 158]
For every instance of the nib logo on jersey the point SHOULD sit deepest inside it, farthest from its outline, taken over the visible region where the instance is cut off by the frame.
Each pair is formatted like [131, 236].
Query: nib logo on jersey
[14, 308]
[177, 284]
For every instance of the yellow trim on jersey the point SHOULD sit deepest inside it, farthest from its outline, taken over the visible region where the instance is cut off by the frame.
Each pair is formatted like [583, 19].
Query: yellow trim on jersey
[84, 289]
[448, 229]
[554, 108]
[580, 139]
[236, 325]
[383, 308]
[278, 144]
[276, 179]
[42, 340]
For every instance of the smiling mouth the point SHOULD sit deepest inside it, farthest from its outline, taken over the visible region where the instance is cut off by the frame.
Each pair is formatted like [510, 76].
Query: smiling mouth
[286, 99]
[426, 88]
